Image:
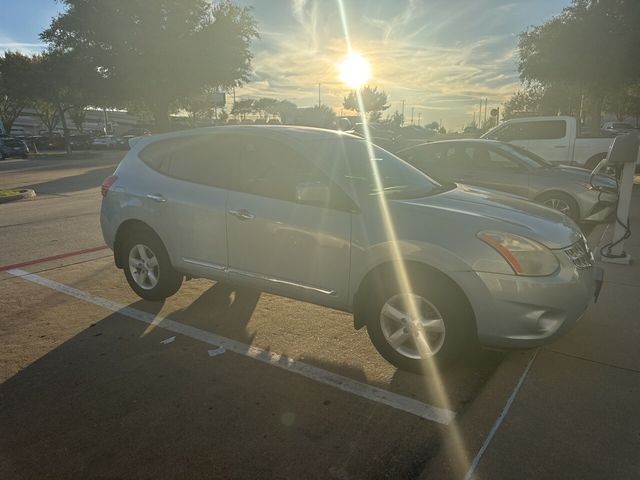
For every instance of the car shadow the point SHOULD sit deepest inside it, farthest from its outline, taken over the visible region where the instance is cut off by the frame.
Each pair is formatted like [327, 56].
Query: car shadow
[115, 402]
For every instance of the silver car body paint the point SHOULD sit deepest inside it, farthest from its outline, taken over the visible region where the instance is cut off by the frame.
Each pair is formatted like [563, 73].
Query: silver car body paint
[322, 255]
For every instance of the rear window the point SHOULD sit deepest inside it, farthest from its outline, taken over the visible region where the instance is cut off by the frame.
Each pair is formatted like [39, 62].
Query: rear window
[202, 159]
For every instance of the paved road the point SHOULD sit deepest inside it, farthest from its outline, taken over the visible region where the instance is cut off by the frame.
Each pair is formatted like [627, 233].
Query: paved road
[89, 389]
[64, 215]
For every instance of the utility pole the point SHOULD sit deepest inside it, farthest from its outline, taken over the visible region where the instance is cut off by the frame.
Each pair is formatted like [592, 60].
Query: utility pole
[402, 113]
[480, 115]
[319, 102]
[412, 115]
[419, 115]
[485, 110]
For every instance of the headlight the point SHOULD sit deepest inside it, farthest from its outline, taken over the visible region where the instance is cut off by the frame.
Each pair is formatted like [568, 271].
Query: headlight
[525, 256]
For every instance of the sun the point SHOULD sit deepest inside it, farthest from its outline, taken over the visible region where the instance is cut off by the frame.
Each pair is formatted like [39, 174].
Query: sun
[354, 70]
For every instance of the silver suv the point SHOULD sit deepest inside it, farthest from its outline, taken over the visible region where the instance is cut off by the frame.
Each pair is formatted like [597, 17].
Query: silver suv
[327, 218]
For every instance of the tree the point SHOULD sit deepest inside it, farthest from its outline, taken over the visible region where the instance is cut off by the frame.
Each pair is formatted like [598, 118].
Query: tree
[158, 52]
[286, 110]
[374, 102]
[321, 116]
[575, 48]
[63, 82]
[264, 105]
[198, 107]
[395, 120]
[242, 108]
[16, 86]
[624, 102]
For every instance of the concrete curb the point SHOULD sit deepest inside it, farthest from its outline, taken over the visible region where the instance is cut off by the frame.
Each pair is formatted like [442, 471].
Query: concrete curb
[25, 194]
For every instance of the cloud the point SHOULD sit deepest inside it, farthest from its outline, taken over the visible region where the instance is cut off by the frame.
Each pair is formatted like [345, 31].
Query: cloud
[26, 48]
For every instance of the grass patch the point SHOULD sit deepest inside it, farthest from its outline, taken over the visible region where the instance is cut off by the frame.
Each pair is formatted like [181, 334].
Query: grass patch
[9, 193]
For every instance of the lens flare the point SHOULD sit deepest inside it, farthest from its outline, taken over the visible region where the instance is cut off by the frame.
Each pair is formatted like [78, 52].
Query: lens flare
[460, 460]
[355, 70]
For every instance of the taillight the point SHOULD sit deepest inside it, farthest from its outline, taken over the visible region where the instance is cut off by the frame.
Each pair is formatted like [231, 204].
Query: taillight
[106, 185]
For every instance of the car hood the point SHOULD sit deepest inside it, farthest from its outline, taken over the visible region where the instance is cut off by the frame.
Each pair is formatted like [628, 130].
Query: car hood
[580, 175]
[500, 211]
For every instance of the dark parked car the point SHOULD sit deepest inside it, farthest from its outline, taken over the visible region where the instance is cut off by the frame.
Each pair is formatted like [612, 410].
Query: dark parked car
[12, 147]
[80, 141]
[510, 168]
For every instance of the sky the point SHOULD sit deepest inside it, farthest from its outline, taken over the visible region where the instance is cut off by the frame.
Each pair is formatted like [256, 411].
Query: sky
[439, 56]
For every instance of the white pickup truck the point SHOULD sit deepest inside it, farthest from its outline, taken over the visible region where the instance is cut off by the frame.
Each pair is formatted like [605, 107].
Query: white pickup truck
[556, 139]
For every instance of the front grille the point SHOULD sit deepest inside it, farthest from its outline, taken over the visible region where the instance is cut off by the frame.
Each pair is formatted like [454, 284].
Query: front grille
[579, 254]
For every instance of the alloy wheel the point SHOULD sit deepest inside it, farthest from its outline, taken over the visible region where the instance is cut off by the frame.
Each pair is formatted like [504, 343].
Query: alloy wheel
[144, 266]
[412, 326]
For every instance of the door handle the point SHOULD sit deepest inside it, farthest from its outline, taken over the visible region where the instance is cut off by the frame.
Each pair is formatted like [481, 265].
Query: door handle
[559, 146]
[242, 214]
[156, 197]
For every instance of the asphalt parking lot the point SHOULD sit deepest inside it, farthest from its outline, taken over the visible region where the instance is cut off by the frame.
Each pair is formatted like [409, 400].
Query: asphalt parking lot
[97, 383]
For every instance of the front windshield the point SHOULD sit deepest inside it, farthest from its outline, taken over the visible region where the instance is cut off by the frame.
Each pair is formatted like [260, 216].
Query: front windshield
[395, 178]
[525, 156]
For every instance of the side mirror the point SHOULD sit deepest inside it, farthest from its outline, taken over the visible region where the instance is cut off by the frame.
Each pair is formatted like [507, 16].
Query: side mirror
[314, 193]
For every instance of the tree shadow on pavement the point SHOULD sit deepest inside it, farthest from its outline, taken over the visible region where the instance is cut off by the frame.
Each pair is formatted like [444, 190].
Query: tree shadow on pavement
[84, 181]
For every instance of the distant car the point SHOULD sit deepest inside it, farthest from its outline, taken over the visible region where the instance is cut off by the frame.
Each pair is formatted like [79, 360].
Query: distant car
[274, 121]
[13, 147]
[107, 142]
[80, 141]
[323, 216]
[618, 128]
[512, 169]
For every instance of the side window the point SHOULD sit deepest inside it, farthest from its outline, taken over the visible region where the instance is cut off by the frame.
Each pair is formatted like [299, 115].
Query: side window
[202, 159]
[271, 169]
[507, 133]
[426, 157]
[543, 130]
[460, 157]
[488, 160]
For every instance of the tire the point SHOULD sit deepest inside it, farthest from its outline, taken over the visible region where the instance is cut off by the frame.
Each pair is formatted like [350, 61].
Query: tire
[562, 202]
[150, 279]
[449, 338]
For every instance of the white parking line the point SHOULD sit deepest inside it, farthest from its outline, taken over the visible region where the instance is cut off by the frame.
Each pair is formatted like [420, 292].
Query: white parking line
[503, 414]
[399, 402]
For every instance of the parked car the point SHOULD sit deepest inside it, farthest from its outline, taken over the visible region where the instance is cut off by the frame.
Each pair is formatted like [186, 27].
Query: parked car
[556, 139]
[305, 213]
[12, 147]
[80, 141]
[109, 142]
[618, 128]
[512, 169]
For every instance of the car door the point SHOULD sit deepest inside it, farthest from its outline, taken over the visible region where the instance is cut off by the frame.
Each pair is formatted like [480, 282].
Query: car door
[278, 242]
[546, 138]
[193, 197]
[493, 169]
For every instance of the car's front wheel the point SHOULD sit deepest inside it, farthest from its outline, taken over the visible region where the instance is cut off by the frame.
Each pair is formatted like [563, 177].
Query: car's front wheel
[419, 330]
[563, 203]
[148, 269]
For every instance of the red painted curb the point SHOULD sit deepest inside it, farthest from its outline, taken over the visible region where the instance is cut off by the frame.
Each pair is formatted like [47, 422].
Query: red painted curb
[54, 257]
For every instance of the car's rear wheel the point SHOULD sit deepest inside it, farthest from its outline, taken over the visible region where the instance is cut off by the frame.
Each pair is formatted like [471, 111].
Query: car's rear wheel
[561, 202]
[417, 331]
[148, 269]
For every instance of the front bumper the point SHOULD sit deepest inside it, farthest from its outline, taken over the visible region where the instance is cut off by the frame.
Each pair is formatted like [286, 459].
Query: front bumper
[521, 312]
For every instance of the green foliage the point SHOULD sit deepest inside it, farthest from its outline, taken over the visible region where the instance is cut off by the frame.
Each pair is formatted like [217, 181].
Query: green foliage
[16, 86]
[373, 101]
[158, 52]
[243, 107]
[592, 45]
[321, 116]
